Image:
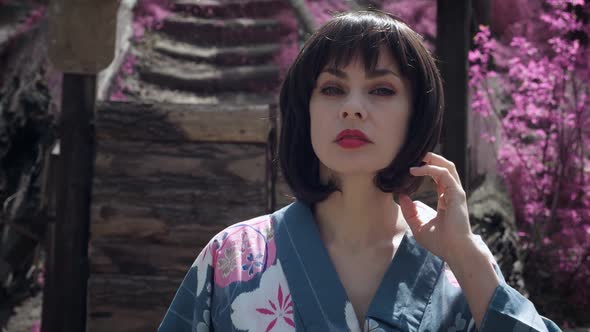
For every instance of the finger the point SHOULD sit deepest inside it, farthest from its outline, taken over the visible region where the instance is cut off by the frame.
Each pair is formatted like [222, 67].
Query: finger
[440, 175]
[410, 213]
[416, 214]
[432, 158]
[442, 199]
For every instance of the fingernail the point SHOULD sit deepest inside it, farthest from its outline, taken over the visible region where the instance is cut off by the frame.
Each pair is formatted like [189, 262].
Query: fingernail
[413, 168]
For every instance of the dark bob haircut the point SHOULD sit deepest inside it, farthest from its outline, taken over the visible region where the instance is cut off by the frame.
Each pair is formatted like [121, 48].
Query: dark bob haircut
[350, 34]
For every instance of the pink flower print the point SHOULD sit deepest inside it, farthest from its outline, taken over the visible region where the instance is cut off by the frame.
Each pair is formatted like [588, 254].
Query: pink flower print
[252, 252]
[284, 310]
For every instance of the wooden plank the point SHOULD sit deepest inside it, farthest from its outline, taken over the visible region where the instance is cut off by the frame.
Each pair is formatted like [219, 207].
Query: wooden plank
[141, 159]
[188, 182]
[123, 244]
[160, 196]
[124, 257]
[182, 122]
[113, 318]
[127, 303]
[143, 225]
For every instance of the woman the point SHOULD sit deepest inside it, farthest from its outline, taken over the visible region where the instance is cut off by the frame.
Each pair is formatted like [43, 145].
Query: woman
[360, 106]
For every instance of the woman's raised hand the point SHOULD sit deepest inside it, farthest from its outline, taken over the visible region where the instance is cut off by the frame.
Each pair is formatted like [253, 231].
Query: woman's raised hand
[447, 229]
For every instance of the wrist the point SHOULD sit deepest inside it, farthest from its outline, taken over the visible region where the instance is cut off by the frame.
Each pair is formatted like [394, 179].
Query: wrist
[464, 250]
[473, 266]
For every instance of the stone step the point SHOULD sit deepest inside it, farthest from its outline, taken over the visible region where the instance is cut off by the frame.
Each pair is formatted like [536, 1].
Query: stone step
[144, 91]
[232, 31]
[245, 78]
[203, 77]
[222, 55]
[230, 9]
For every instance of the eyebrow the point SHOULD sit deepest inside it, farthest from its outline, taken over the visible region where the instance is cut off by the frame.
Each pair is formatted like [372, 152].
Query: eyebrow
[372, 74]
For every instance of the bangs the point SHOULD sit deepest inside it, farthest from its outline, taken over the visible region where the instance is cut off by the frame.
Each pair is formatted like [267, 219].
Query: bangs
[340, 53]
[346, 38]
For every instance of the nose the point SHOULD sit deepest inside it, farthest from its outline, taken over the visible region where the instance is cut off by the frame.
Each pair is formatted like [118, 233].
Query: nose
[353, 107]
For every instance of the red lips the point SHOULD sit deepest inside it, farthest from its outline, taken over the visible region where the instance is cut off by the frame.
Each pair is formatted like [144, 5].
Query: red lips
[352, 133]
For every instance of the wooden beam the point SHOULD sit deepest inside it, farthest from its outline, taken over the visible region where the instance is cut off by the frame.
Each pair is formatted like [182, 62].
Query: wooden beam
[182, 122]
[452, 46]
[70, 270]
[81, 43]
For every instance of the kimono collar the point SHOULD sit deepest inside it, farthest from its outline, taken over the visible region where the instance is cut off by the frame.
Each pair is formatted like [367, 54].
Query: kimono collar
[318, 293]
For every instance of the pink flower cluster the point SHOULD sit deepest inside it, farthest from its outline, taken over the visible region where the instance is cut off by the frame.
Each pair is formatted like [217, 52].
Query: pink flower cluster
[540, 101]
[150, 14]
[418, 14]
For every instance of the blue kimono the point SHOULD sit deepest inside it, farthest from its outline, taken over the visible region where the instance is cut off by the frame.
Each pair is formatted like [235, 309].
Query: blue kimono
[273, 273]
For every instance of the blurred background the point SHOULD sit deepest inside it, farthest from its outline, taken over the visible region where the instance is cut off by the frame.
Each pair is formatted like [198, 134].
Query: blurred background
[180, 142]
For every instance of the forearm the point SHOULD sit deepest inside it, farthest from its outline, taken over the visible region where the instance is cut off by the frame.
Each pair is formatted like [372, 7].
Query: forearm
[473, 268]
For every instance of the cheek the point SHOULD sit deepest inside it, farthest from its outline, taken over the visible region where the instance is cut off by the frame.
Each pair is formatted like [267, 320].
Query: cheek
[319, 133]
[320, 123]
[393, 129]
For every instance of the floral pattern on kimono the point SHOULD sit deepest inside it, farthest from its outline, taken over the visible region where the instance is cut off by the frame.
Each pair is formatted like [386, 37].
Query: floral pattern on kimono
[273, 273]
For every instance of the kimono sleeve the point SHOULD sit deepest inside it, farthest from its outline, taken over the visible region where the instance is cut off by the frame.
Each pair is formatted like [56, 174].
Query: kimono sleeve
[509, 310]
[190, 309]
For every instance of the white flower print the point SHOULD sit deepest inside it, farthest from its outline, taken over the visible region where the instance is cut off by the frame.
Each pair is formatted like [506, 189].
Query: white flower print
[204, 326]
[267, 308]
[202, 263]
[459, 324]
[351, 320]
[372, 326]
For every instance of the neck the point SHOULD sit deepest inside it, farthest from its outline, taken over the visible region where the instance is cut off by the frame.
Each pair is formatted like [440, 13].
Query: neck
[361, 217]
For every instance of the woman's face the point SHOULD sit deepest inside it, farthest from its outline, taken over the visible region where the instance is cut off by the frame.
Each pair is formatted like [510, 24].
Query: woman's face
[378, 104]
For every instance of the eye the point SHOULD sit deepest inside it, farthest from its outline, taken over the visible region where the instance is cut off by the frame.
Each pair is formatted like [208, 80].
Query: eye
[331, 91]
[383, 92]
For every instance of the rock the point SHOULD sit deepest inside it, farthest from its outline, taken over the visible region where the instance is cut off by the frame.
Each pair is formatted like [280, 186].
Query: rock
[492, 216]
[26, 316]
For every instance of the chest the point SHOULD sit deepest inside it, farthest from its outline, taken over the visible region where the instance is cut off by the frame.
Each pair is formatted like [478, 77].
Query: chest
[361, 277]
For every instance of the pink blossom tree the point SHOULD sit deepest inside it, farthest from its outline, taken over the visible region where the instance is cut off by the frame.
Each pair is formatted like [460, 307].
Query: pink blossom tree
[540, 99]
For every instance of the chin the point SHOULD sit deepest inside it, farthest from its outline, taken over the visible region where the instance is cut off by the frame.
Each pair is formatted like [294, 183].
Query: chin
[351, 167]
